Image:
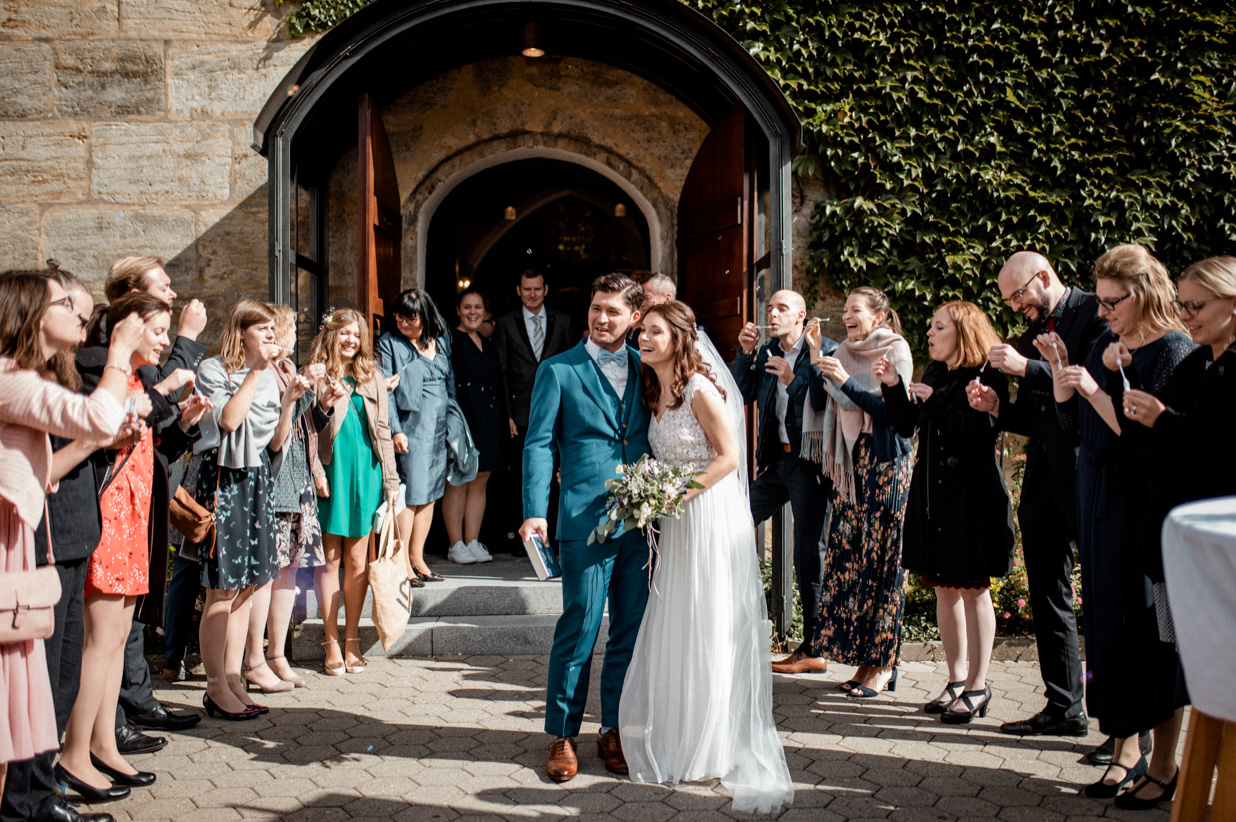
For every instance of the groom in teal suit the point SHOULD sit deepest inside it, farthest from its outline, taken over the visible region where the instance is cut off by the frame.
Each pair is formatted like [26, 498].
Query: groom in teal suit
[587, 406]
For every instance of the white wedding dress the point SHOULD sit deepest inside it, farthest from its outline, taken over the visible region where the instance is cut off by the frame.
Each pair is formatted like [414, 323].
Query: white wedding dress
[697, 699]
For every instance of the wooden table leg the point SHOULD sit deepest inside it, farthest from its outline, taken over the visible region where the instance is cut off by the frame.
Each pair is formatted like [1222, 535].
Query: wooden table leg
[1197, 771]
[1224, 808]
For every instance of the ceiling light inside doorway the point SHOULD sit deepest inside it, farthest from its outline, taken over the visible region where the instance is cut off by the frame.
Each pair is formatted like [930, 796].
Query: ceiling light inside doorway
[532, 40]
[509, 213]
[620, 210]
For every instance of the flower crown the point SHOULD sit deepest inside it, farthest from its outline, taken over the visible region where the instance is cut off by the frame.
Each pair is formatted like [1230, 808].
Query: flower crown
[328, 317]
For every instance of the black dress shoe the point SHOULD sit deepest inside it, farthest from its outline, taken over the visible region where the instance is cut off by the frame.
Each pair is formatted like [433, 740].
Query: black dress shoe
[55, 809]
[130, 740]
[134, 780]
[164, 720]
[1044, 723]
[1102, 755]
[87, 791]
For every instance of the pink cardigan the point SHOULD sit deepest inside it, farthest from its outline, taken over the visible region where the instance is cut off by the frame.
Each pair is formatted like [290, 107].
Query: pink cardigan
[32, 407]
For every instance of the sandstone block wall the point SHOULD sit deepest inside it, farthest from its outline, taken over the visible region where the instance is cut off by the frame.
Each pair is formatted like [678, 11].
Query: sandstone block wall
[125, 128]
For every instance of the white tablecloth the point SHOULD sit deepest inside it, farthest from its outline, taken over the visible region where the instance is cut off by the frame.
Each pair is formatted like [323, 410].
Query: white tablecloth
[1199, 559]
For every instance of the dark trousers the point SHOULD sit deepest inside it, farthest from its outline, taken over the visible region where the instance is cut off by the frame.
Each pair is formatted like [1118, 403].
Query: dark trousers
[136, 691]
[798, 482]
[1047, 541]
[31, 781]
[178, 610]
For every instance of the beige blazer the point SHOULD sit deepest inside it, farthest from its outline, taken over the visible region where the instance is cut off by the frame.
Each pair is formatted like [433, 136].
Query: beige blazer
[378, 421]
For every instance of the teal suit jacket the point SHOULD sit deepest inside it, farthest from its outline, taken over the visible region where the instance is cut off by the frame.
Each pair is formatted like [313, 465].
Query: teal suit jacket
[576, 414]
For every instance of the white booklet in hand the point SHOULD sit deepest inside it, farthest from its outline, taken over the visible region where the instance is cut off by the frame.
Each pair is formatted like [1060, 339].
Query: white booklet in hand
[543, 560]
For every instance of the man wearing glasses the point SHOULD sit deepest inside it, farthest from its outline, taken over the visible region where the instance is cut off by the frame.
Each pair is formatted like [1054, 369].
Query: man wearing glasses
[1048, 510]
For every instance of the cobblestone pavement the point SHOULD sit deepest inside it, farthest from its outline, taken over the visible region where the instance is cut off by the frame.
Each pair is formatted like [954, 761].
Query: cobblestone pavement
[414, 739]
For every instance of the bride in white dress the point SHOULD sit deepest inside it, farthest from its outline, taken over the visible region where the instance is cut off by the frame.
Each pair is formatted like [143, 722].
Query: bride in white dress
[697, 699]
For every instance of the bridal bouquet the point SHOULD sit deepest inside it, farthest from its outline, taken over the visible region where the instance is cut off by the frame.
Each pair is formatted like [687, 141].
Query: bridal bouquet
[644, 492]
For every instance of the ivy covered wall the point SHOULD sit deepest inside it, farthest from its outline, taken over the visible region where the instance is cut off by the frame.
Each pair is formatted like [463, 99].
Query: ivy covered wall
[956, 133]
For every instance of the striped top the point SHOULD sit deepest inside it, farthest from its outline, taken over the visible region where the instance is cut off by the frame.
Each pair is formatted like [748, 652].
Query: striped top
[32, 407]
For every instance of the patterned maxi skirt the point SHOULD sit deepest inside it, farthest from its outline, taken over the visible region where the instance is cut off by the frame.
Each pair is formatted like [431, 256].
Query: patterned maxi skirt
[859, 621]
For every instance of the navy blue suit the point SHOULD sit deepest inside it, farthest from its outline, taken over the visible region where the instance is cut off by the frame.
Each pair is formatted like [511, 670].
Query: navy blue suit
[785, 476]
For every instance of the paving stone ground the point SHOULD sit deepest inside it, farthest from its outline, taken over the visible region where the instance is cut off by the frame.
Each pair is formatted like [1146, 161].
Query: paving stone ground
[452, 738]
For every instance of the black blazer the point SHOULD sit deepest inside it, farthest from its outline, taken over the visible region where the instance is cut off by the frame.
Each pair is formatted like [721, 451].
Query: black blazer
[519, 364]
[170, 444]
[760, 387]
[1051, 455]
[74, 508]
[959, 522]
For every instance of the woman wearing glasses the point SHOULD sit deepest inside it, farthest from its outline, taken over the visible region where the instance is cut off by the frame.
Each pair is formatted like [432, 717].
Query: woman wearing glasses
[1188, 431]
[1134, 680]
[418, 352]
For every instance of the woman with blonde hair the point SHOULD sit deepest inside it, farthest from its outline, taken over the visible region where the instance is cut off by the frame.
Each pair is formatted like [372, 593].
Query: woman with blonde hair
[359, 459]
[298, 535]
[846, 428]
[959, 521]
[236, 481]
[1187, 431]
[1134, 680]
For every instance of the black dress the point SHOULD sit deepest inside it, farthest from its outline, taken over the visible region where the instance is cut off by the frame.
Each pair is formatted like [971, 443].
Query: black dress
[1193, 442]
[478, 387]
[1134, 680]
[959, 521]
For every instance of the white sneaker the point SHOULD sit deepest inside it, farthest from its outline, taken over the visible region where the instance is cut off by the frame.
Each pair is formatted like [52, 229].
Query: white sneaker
[479, 551]
[461, 554]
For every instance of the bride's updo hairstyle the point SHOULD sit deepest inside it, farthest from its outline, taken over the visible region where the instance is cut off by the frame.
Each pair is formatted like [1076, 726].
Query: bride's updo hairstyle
[687, 360]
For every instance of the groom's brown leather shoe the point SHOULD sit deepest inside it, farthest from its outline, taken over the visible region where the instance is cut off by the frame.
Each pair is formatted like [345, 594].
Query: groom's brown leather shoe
[562, 763]
[609, 748]
[800, 663]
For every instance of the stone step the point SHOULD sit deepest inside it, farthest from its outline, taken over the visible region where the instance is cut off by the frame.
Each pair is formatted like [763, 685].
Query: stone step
[501, 635]
[506, 586]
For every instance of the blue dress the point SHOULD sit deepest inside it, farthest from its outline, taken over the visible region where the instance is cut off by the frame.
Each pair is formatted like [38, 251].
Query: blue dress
[1134, 681]
[418, 411]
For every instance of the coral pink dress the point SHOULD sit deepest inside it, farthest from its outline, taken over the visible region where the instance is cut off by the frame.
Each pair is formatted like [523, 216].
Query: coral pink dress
[30, 408]
[121, 563]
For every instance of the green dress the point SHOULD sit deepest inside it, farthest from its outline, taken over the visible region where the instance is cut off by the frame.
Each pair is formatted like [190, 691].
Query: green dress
[355, 476]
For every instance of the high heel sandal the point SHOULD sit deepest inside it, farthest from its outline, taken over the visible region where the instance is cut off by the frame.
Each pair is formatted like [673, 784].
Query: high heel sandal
[134, 780]
[870, 693]
[1130, 801]
[283, 687]
[951, 692]
[89, 792]
[295, 679]
[429, 576]
[212, 709]
[1102, 790]
[332, 670]
[357, 667]
[971, 706]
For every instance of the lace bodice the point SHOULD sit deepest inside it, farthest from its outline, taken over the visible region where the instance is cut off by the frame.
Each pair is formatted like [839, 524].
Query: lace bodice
[677, 438]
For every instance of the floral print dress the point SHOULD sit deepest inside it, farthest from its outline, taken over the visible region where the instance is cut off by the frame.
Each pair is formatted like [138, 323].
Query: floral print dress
[863, 595]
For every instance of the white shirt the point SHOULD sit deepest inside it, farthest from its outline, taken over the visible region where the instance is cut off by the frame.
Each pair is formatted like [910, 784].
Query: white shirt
[615, 373]
[530, 324]
[783, 397]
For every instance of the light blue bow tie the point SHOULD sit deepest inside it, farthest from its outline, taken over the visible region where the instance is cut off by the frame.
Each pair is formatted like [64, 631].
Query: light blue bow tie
[619, 356]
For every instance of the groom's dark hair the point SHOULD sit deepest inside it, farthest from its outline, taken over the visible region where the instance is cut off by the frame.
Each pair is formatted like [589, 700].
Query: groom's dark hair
[631, 291]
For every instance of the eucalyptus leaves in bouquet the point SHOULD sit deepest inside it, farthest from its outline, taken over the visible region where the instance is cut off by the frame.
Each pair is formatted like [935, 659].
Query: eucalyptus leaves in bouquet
[643, 493]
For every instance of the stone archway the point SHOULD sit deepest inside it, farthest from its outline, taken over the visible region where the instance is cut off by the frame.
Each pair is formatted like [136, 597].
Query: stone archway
[422, 202]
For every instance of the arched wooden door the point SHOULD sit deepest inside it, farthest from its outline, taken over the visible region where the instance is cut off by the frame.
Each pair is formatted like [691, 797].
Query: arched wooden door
[378, 268]
[716, 239]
